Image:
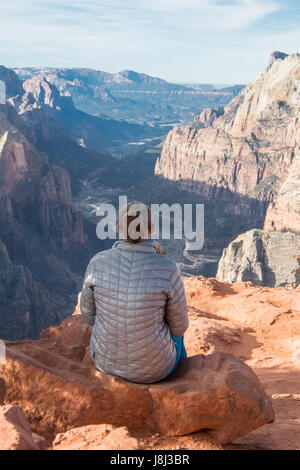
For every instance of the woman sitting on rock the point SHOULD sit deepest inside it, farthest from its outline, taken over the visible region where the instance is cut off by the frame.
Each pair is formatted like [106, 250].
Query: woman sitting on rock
[134, 297]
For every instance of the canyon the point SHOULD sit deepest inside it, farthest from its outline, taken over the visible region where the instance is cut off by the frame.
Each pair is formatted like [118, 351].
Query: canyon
[250, 149]
[51, 152]
[245, 149]
[60, 133]
[241, 162]
[131, 96]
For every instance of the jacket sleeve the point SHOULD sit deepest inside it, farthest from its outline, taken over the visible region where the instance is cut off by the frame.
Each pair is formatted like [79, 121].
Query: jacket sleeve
[176, 307]
[87, 302]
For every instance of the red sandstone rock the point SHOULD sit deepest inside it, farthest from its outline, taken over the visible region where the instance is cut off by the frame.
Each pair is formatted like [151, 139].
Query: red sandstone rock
[15, 432]
[96, 437]
[216, 392]
[36, 216]
[208, 116]
[266, 323]
[259, 325]
[265, 258]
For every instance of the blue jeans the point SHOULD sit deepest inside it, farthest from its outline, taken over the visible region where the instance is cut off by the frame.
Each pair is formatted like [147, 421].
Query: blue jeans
[180, 352]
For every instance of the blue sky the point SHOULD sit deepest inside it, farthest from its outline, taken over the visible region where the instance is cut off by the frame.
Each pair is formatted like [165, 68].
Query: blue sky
[203, 41]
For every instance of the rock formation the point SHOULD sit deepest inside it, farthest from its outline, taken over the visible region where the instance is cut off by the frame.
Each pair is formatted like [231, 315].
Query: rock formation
[47, 199]
[58, 388]
[38, 228]
[284, 212]
[131, 96]
[208, 116]
[53, 115]
[249, 148]
[15, 432]
[270, 257]
[27, 306]
[251, 151]
[265, 330]
[96, 437]
[38, 93]
[219, 383]
[265, 258]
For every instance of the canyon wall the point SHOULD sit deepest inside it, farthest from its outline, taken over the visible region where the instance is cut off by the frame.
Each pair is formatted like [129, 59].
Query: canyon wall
[270, 257]
[39, 231]
[284, 212]
[247, 149]
[265, 258]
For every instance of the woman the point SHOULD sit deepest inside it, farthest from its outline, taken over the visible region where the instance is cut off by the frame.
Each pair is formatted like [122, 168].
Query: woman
[134, 297]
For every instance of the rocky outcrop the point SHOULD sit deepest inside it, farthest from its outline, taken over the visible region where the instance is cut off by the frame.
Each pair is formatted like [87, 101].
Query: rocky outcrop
[259, 325]
[96, 437]
[52, 115]
[12, 82]
[265, 331]
[249, 152]
[39, 93]
[265, 258]
[216, 392]
[208, 116]
[38, 228]
[15, 432]
[249, 148]
[283, 214]
[27, 306]
[131, 96]
[48, 119]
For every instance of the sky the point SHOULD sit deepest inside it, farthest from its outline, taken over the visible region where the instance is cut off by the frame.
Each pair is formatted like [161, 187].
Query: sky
[182, 41]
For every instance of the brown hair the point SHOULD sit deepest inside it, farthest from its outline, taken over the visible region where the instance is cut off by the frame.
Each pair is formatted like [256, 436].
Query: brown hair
[129, 214]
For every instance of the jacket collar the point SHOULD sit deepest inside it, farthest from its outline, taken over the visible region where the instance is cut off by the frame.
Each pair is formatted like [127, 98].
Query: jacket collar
[144, 246]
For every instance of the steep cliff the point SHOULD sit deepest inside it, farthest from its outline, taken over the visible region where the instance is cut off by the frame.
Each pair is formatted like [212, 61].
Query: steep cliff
[265, 258]
[208, 116]
[270, 257]
[284, 212]
[32, 190]
[39, 229]
[26, 307]
[13, 84]
[40, 97]
[131, 96]
[249, 148]
[40, 113]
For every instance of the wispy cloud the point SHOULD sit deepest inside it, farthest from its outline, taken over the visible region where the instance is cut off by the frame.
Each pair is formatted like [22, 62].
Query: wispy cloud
[212, 15]
[171, 38]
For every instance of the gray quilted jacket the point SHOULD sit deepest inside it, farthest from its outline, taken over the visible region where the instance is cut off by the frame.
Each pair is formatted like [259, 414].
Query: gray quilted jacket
[134, 298]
